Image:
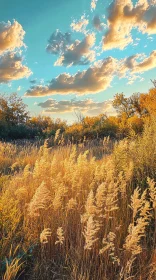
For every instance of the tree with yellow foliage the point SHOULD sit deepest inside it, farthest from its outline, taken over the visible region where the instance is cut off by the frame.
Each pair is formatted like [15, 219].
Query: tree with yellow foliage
[148, 102]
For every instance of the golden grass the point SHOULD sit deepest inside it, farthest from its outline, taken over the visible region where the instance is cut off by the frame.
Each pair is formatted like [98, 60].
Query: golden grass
[82, 218]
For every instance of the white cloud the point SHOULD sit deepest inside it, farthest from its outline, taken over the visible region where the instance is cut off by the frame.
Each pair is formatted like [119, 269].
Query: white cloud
[11, 67]
[93, 4]
[11, 36]
[150, 38]
[123, 17]
[78, 53]
[87, 106]
[98, 77]
[58, 42]
[80, 25]
[92, 80]
[138, 63]
[71, 52]
[11, 39]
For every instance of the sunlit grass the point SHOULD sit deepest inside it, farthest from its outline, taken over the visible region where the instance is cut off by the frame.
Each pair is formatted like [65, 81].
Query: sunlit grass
[80, 214]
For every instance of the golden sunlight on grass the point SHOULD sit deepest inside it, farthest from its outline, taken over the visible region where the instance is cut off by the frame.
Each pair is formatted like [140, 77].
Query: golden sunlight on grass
[73, 216]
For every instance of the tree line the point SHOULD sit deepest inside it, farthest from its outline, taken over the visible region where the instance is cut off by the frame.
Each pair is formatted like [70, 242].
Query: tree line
[132, 113]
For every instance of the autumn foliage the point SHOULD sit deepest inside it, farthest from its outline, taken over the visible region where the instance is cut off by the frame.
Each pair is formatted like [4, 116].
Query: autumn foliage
[66, 214]
[132, 113]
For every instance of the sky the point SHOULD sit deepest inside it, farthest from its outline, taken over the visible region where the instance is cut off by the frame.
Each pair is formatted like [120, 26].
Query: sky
[72, 56]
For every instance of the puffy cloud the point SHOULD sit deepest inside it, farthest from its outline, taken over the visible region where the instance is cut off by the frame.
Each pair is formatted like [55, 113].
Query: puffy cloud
[132, 66]
[132, 78]
[87, 106]
[147, 64]
[95, 79]
[123, 17]
[80, 25]
[71, 52]
[78, 53]
[11, 67]
[93, 4]
[97, 23]
[11, 36]
[138, 63]
[58, 42]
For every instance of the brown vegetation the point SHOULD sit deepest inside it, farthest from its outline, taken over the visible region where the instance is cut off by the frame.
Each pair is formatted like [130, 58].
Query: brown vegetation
[73, 216]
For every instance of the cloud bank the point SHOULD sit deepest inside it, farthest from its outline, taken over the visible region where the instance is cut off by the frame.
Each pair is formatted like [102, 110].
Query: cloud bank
[92, 80]
[96, 78]
[87, 106]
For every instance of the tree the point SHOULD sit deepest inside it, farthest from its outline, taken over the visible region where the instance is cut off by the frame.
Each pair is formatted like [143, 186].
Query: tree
[135, 123]
[148, 102]
[120, 103]
[128, 106]
[134, 104]
[12, 109]
[79, 116]
[13, 116]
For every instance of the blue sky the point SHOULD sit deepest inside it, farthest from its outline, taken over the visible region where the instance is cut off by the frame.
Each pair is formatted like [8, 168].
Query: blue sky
[40, 19]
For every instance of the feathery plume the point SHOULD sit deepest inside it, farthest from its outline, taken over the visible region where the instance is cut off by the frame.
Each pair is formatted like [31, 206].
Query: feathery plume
[44, 235]
[41, 200]
[152, 190]
[60, 236]
[90, 233]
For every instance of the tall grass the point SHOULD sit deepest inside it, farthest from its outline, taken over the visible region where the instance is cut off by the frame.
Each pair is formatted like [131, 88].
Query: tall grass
[77, 217]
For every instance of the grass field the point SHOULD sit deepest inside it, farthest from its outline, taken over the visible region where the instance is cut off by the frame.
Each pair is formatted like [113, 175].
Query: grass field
[79, 214]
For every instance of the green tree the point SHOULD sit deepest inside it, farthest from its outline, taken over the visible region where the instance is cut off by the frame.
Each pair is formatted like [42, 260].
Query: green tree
[13, 114]
[12, 109]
